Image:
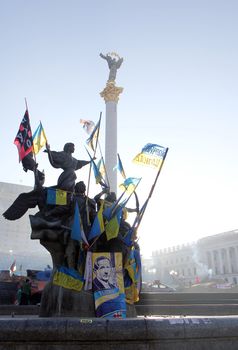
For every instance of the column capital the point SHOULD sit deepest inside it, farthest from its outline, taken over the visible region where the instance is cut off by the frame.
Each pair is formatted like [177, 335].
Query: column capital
[111, 92]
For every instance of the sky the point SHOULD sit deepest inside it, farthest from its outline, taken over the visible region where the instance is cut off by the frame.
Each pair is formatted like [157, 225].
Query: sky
[180, 81]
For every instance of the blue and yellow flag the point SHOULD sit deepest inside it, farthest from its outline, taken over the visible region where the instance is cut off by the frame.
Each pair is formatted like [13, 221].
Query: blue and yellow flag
[113, 225]
[101, 167]
[130, 184]
[68, 278]
[98, 224]
[98, 176]
[119, 167]
[77, 232]
[92, 140]
[151, 155]
[39, 139]
[56, 196]
[132, 276]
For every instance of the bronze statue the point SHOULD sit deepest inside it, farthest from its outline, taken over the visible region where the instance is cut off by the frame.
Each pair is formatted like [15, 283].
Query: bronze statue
[114, 62]
[65, 160]
[53, 226]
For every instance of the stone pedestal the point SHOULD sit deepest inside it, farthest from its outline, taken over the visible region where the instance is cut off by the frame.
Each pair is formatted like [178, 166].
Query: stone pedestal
[61, 302]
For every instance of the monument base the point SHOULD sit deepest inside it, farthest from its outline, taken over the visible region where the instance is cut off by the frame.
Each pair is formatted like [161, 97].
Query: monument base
[61, 302]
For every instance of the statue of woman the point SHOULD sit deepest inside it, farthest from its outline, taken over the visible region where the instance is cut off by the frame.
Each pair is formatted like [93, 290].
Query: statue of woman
[113, 64]
[65, 160]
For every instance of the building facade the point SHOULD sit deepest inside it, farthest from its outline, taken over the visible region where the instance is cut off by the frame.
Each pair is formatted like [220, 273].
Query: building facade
[220, 254]
[212, 257]
[15, 241]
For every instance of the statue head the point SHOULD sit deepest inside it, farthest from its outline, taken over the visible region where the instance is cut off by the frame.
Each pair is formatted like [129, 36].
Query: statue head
[111, 197]
[69, 147]
[80, 187]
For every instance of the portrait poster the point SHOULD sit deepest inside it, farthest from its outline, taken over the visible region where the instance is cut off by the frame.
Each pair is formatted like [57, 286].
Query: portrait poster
[108, 285]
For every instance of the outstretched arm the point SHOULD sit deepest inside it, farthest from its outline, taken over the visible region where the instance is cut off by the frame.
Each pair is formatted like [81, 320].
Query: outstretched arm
[103, 56]
[119, 62]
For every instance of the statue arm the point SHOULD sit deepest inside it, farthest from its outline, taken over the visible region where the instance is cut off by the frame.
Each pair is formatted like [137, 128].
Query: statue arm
[119, 62]
[81, 163]
[108, 59]
[103, 56]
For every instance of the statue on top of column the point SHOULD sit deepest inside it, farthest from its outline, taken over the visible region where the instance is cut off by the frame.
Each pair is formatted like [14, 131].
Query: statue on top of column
[114, 63]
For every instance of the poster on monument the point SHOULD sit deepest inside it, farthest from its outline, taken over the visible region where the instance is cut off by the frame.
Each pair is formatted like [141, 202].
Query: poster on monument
[108, 285]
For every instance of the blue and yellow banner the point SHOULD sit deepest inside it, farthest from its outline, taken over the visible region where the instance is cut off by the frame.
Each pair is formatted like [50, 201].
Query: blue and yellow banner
[132, 276]
[130, 184]
[68, 278]
[151, 155]
[39, 139]
[98, 224]
[56, 197]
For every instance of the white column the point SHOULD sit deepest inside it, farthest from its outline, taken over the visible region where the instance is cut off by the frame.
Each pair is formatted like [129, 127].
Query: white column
[229, 260]
[111, 97]
[219, 255]
[213, 263]
[236, 259]
[111, 144]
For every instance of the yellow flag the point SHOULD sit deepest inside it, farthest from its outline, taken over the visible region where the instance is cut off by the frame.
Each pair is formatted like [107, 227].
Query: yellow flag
[39, 139]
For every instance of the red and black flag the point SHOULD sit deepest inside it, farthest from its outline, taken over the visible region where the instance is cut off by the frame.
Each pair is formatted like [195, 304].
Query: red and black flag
[23, 140]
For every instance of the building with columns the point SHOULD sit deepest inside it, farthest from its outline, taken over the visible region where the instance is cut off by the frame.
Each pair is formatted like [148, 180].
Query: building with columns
[220, 254]
[212, 257]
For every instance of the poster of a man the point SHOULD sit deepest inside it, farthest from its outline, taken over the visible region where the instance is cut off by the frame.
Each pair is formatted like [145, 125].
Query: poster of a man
[103, 274]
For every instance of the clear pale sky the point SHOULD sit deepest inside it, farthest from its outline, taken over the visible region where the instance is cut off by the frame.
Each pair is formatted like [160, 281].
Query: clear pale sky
[180, 91]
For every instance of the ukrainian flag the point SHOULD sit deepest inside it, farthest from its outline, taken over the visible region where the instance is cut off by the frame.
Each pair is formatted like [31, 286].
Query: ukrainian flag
[113, 226]
[130, 184]
[39, 139]
[56, 196]
[68, 278]
[151, 155]
[98, 224]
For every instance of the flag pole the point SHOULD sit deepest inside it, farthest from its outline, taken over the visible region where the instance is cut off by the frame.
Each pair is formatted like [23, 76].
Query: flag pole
[152, 188]
[26, 104]
[90, 169]
[33, 152]
[107, 179]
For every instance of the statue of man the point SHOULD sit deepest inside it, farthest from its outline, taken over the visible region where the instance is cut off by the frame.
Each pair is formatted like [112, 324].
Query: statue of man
[113, 64]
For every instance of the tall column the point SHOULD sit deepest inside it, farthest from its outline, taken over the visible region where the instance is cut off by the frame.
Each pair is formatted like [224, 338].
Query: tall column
[229, 262]
[219, 256]
[111, 96]
[213, 263]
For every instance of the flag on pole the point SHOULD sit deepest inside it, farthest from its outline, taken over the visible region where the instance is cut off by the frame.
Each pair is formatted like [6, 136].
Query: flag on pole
[23, 140]
[92, 140]
[88, 125]
[98, 176]
[119, 167]
[101, 167]
[39, 139]
[13, 267]
[98, 224]
[151, 155]
[130, 184]
[113, 226]
[77, 232]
